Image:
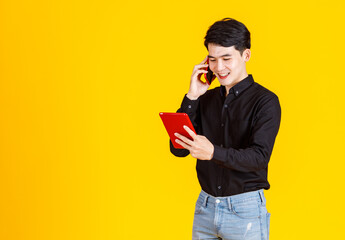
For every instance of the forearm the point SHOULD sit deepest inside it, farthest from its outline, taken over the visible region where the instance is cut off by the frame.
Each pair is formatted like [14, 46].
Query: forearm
[243, 160]
[190, 107]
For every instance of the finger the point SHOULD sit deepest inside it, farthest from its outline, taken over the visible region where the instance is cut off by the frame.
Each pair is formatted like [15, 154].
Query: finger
[200, 71]
[202, 65]
[190, 132]
[184, 139]
[205, 83]
[184, 145]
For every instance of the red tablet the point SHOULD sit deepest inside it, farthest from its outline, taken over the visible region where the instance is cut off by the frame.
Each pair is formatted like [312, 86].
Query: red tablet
[173, 123]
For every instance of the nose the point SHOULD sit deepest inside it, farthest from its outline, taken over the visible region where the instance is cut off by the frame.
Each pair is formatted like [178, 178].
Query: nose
[219, 66]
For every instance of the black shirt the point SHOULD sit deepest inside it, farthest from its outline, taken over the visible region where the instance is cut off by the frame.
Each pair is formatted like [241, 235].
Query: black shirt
[242, 127]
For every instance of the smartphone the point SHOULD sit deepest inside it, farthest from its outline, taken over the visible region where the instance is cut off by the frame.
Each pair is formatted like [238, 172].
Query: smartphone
[209, 76]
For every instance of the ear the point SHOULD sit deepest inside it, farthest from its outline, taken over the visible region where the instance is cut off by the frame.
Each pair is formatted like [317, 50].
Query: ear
[246, 55]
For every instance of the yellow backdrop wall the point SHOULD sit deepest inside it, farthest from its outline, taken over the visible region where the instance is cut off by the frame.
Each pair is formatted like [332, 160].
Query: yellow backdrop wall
[83, 152]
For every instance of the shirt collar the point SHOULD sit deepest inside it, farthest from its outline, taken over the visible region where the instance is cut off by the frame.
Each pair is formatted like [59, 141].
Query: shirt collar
[239, 87]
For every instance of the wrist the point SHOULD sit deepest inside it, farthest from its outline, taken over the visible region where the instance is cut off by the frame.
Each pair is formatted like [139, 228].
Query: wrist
[212, 152]
[191, 96]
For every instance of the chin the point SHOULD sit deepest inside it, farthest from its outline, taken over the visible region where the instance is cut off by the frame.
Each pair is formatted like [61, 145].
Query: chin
[225, 82]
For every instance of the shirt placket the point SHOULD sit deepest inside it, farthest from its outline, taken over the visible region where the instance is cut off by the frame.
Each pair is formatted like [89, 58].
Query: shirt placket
[224, 128]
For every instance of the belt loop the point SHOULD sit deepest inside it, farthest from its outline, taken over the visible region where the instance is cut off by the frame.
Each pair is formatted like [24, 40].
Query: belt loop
[261, 196]
[229, 203]
[205, 201]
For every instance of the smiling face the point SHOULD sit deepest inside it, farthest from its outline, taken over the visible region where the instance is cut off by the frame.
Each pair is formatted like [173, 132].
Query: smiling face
[228, 64]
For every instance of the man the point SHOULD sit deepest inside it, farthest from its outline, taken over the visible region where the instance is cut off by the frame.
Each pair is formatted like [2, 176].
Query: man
[236, 127]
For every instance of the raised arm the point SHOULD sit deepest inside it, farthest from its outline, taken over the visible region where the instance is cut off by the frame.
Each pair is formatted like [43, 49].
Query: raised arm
[190, 103]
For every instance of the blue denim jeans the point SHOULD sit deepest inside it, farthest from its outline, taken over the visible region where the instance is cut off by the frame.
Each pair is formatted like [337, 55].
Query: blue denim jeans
[238, 217]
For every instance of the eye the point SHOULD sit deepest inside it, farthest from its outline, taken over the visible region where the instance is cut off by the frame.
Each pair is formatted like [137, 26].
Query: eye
[212, 60]
[226, 59]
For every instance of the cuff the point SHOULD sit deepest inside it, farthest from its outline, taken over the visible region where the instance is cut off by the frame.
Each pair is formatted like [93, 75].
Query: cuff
[188, 105]
[219, 154]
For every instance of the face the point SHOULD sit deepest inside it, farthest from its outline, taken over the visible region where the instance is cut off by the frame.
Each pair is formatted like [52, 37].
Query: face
[227, 64]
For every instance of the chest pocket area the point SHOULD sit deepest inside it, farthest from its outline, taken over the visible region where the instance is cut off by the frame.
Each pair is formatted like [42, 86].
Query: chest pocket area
[239, 131]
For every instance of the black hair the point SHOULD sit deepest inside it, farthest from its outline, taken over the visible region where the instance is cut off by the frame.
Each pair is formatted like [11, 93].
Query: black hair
[228, 32]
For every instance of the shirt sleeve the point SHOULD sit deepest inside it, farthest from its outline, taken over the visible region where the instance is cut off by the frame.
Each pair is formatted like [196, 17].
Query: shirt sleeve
[264, 131]
[191, 108]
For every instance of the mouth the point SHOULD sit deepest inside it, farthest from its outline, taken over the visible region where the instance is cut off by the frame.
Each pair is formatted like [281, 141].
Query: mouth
[223, 76]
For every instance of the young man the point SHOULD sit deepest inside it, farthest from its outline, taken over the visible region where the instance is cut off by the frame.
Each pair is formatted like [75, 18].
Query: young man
[236, 127]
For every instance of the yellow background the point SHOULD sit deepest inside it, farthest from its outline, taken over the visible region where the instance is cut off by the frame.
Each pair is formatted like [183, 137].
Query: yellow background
[83, 152]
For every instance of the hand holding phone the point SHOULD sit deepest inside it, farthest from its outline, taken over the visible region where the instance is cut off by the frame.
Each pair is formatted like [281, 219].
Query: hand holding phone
[198, 87]
[209, 76]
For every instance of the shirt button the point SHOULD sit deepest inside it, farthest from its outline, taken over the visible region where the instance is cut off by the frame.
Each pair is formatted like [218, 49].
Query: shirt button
[236, 92]
[217, 201]
[219, 187]
[221, 145]
[189, 106]
[225, 105]
[222, 125]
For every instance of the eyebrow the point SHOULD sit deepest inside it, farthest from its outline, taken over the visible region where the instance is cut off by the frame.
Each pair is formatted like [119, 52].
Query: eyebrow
[225, 55]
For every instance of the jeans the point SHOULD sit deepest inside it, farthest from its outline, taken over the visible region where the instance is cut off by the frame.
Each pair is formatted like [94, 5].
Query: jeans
[239, 217]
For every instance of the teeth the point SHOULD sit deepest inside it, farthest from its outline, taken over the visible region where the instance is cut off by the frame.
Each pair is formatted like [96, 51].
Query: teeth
[223, 75]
